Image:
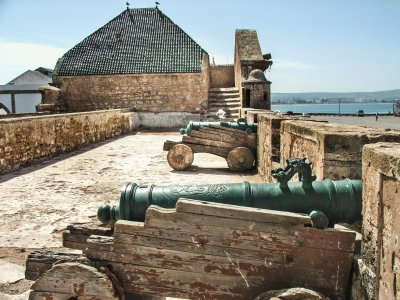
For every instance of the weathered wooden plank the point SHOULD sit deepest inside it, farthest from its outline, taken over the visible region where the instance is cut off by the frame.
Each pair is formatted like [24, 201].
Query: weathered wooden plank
[181, 260]
[241, 212]
[198, 141]
[74, 245]
[96, 242]
[75, 280]
[40, 261]
[168, 145]
[77, 234]
[227, 138]
[33, 295]
[183, 280]
[89, 230]
[263, 249]
[223, 152]
[235, 229]
[137, 288]
[241, 138]
[59, 296]
[306, 273]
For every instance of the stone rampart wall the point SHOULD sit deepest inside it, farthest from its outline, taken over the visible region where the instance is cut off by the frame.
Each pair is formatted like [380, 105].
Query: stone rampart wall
[25, 140]
[379, 265]
[222, 76]
[334, 149]
[186, 92]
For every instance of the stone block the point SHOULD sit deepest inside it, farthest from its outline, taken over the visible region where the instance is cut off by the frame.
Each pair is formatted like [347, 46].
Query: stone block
[334, 149]
[380, 249]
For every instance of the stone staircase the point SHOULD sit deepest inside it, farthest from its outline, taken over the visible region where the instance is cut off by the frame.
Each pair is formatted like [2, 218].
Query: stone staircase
[227, 99]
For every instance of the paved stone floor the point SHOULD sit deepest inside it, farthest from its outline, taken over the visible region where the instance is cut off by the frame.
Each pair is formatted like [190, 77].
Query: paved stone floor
[38, 202]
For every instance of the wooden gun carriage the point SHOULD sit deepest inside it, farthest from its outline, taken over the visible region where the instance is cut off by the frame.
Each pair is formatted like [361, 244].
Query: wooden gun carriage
[236, 146]
[199, 250]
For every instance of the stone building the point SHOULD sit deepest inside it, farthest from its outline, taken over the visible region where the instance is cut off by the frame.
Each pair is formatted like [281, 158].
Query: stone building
[139, 60]
[143, 61]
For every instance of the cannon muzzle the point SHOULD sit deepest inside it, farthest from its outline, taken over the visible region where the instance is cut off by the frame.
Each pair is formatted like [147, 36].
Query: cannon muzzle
[240, 124]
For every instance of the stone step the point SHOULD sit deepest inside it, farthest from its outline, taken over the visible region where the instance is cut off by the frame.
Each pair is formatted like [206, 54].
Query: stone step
[230, 100]
[226, 109]
[233, 105]
[224, 90]
[223, 95]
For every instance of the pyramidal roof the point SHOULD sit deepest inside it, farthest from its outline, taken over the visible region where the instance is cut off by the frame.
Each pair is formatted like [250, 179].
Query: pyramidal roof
[141, 40]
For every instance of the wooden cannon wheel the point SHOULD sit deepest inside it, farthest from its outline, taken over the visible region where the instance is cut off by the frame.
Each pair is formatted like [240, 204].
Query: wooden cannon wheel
[180, 157]
[75, 281]
[240, 159]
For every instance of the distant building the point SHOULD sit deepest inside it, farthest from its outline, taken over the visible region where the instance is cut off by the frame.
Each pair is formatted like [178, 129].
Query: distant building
[22, 94]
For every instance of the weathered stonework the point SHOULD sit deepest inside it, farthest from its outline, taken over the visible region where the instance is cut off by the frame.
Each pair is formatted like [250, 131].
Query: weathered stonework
[25, 140]
[252, 114]
[222, 76]
[334, 149]
[269, 141]
[380, 252]
[166, 92]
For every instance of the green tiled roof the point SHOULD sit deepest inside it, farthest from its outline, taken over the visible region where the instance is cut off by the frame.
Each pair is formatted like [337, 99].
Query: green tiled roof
[137, 41]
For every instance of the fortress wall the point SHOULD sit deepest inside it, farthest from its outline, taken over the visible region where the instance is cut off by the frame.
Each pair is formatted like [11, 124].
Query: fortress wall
[378, 269]
[175, 92]
[25, 140]
[334, 149]
[269, 139]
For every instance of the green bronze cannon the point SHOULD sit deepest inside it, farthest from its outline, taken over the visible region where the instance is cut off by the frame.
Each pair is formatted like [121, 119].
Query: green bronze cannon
[327, 202]
[240, 124]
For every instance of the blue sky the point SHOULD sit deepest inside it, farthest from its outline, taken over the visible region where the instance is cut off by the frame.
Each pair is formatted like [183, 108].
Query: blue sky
[316, 45]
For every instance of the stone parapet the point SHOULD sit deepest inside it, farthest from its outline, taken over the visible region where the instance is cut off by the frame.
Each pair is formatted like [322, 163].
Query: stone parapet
[269, 140]
[25, 140]
[334, 149]
[379, 266]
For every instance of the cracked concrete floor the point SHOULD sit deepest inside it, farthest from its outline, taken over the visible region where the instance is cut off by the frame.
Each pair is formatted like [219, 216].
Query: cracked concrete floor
[41, 200]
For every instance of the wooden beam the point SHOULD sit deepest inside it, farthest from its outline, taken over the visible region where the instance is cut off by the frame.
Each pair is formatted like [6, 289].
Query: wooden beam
[14, 92]
[13, 103]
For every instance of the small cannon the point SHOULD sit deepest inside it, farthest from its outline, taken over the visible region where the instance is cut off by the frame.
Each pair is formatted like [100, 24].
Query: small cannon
[327, 202]
[240, 124]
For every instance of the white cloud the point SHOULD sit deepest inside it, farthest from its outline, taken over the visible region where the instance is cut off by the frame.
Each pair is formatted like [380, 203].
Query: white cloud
[16, 58]
[281, 63]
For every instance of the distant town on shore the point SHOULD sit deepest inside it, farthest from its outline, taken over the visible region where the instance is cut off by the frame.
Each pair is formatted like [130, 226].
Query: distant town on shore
[389, 96]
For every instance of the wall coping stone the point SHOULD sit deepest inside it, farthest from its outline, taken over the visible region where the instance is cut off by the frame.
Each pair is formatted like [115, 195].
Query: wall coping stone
[385, 157]
[31, 118]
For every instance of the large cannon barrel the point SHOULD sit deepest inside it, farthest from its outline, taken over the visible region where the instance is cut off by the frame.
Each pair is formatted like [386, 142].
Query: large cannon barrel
[336, 201]
[240, 124]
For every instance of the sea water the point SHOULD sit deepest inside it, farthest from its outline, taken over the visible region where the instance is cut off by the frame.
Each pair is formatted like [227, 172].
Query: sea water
[345, 108]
